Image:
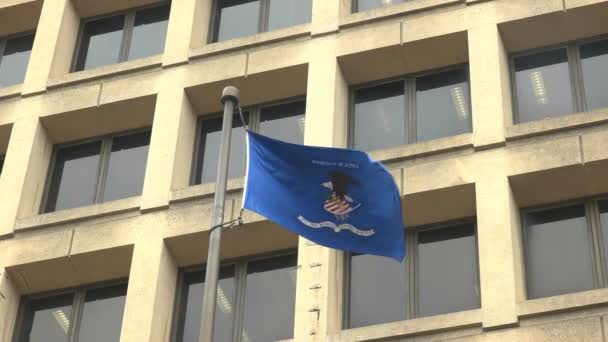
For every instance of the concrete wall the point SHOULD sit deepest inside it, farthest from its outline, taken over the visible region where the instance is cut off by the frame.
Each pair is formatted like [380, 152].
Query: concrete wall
[490, 173]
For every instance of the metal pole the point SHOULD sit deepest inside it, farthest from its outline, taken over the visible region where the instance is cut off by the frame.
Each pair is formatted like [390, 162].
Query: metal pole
[230, 97]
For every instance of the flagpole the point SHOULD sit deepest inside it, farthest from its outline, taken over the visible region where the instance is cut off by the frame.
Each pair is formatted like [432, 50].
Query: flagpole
[230, 98]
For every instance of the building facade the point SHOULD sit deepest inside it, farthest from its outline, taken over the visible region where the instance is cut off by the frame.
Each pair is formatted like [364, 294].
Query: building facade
[492, 115]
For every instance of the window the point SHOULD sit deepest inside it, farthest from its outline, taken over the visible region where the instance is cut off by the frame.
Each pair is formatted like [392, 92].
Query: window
[239, 18]
[255, 301]
[561, 248]
[284, 121]
[121, 37]
[364, 5]
[440, 275]
[411, 109]
[87, 314]
[2, 163]
[98, 170]
[14, 58]
[560, 81]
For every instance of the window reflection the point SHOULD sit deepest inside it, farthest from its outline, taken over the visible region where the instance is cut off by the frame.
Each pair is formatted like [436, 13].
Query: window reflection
[237, 18]
[379, 117]
[100, 42]
[447, 269]
[285, 13]
[211, 137]
[364, 5]
[75, 175]
[594, 59]
[192, 301]
[378, 291]
[15, 59]
[265, 318]
[558, 252]
[284, 122]
[48, 319]
[543, 85]
[149, 32]
[127, 166]
[102, 314]
[442, 105]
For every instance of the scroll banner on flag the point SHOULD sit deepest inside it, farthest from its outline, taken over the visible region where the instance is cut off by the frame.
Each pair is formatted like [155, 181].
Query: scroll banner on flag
[335, 197]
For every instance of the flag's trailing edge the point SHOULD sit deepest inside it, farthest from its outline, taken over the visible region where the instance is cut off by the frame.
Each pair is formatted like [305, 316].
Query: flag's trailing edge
[338, 198]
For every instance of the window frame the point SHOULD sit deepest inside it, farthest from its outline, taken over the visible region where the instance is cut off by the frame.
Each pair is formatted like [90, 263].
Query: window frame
[214, 22]
[105, 152]
[127, 32]
[254, 115]
[599, 259]
[79, 295]
[575, 71]
[409, 93]
[411, 272]
[240, 286]
[3, 41]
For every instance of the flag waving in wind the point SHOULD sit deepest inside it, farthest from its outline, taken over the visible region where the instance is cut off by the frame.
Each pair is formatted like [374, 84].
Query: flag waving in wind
[335, 197]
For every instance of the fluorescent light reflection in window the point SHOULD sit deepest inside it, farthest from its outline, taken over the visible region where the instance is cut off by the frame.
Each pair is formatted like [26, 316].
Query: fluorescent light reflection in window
[62, 320]
[459, 103]
[538, 84]
[222, 301]
[302, 124]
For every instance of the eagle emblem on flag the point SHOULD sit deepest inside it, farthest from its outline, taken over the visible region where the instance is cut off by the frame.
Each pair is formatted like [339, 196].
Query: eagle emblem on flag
[339, 202]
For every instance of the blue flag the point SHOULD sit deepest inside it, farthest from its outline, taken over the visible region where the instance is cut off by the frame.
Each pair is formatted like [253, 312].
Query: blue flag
[335, 197]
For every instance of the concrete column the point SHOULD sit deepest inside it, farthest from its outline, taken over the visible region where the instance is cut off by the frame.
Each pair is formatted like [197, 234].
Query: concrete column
[326, 15]
[53, 46]
[319, 288]
[188, 28]
[490, 86]
[23, 177]
[9, 303]
[171, 144]
[499, 251]
[149, 304]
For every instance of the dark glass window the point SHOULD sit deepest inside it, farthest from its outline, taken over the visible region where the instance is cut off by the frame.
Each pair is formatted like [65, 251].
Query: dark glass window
[440, 275]
[52, 318]
[127, 166]
[604, 227]
[14, 58]
[1, 163]
[561, 81]
[364, 5]
[384, 116]
[209, 148]
[149, 32]
[263, 311]
[117, 38]
[559, 252]
[447, 270]
[543, 85]
[377, 292]
[442, 105]
[75, 175]
[594, 61]
[239, 18]
[98, 171]
[284, 121]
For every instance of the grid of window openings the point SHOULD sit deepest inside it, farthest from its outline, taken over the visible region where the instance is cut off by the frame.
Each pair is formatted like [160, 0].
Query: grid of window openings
[255, 301]
[14, 58]
[97, 170]
[364, 5]
[565, 248]
[239, 18]
[561, 80]
[122, 37]
[439, 275]
[283, 121]
[92, 314]
[411, 109]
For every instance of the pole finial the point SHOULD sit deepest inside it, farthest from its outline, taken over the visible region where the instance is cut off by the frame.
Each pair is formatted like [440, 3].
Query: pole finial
[230, 93]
